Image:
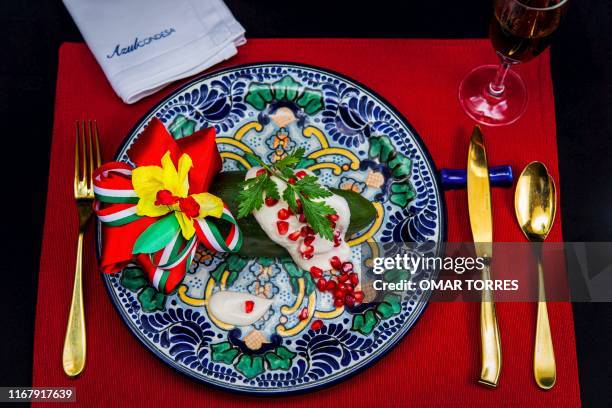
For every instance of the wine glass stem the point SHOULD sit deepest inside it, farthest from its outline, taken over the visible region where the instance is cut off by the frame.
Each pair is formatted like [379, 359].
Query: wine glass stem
[496, 87]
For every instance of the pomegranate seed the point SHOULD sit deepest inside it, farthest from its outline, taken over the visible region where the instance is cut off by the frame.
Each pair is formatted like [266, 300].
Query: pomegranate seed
[302, 218]
[260, 172]
[316, 272]
[299, 206]
[282, 226]
[308, 240]
[308, 250]
[283, 214]
[335, 262]
[270, 202]
[333, 217]
[303, 232]
[291, 180]
[309, 230]
[358, 296]
[337, 239]
[289, 210]
[316, 325]
[322, 284]
[346, 287]
[307, 256]
[343, 278]
[353, 278]
[248, 306]
[349, 300]
[331, 285]
[303, 314]
[301, 174]
[347, 267]
[338, 302]
[294, 235]
[333, 225]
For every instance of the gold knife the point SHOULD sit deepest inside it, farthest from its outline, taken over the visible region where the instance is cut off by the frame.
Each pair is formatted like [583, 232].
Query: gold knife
[479, 205]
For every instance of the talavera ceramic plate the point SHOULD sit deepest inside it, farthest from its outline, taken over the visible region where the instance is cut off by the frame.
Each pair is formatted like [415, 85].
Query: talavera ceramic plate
[270, 109]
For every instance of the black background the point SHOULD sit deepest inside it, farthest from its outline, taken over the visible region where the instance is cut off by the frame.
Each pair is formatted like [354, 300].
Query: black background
[31, 32]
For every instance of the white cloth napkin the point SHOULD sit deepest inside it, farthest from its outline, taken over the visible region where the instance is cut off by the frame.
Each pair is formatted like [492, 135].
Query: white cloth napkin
[144, 45]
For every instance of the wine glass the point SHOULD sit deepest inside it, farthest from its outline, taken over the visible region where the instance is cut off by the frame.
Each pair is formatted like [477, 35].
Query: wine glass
[494, 95]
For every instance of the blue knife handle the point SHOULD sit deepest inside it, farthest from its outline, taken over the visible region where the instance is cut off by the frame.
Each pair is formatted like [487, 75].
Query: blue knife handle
[453, 179]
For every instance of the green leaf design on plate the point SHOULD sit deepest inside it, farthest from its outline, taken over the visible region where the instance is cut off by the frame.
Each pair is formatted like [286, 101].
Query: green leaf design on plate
[181, 127]
[311, 101]
[234, 264]
[133, 279]
[157, 235]
[396, 275]
[295, 273]
[218, 272]
[224, 352]
[401, 193]
[249, 366]
[280, 359]
[389, 306]
[231, 278]
[259, 95]
[401, 166]
[151, 300]
[286, 88]
[365, 322]
[309, 285]
[292, 269]
[381, 148]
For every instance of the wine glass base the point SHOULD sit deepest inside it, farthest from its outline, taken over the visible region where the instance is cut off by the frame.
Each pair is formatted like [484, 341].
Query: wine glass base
[486, 108]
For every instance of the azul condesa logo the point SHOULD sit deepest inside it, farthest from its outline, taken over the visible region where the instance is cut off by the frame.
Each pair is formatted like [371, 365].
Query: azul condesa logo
[139, 43]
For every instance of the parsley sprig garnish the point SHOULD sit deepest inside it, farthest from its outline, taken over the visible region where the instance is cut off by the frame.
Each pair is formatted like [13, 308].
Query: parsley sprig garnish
[305, 189]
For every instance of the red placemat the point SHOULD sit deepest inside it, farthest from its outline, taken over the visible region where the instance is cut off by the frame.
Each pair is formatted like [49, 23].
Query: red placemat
[437, 363]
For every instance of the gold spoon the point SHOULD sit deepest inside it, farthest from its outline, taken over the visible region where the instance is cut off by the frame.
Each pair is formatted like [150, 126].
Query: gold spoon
[535, 203]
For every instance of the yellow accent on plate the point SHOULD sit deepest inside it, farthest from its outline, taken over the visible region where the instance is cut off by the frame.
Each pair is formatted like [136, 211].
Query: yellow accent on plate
[246, 128]
[285, 332]
[287, 310]
[310, 131]
[336, 150]
[182, 293]
[234, 142]
[237, 157]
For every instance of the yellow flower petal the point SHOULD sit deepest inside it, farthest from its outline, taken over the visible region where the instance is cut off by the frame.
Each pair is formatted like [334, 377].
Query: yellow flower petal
[186, 224]
[210, 205]
[184, 165]
[147, 207]
[147, 181]
[169, 174]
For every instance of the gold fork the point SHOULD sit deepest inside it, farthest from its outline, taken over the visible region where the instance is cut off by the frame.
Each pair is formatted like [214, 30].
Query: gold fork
[86, 159]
